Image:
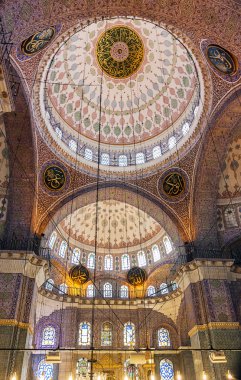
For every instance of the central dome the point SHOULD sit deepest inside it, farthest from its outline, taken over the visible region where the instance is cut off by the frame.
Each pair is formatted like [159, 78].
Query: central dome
[120, 52]
[125, 84]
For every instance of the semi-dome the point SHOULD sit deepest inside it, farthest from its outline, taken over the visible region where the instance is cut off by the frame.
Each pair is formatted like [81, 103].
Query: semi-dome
[126, 85]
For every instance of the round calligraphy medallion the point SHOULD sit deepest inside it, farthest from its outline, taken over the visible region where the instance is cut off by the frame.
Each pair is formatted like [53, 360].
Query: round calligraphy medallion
[221, 59]
[120, 52]
[136, 276]
[79, 274]
[173, 184]
[54, 178]
[37, 41]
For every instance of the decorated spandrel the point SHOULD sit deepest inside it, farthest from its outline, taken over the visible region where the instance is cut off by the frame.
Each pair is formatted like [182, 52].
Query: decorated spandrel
[54, 178]
[37, 41]
[120, 52]
[79, 274]
[221, 59]
[173, 184]
[136, 276]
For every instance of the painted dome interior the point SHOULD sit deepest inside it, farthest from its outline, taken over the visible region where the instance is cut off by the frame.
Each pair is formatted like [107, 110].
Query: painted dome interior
[126, 84]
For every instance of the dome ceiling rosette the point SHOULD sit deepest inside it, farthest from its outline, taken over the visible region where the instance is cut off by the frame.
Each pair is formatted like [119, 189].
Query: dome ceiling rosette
[128, 85]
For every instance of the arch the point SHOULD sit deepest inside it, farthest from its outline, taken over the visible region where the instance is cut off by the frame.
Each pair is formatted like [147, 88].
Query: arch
[125, 261]
[150, 292]
[141, 257]
[107, 290]
[122, 160]
[45, 370]
[124, 291]
[52, 239]
[156, 253]
[75, 256]
[105, 159]
[167, 244]
[156, 152]
[62, 249]
[91, 261]
[140, 158]
[163, 337]
[84, 333]
[108, 264]
[82, 367]
[90, 291]
[88, 154]
[166, 369]
[106, 334]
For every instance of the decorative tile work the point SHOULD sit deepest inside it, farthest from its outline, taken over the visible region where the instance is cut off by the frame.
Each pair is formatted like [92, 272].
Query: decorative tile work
[9, 292]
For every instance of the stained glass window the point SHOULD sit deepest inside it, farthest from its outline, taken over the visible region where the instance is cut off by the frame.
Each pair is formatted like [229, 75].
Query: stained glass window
[62, 249]
[82, 367]
[90, 292]
[129, 334]
[75, 256]
[166, 370]
[73, 145]
[125, 262]
[122, 160]
[141, 258]
[140, 158]
[230, 217]
[88, 154]
[106, 334]
[156, 152]
[84, 334]
[107, 290]
[45, 371]
[124, 291]
[49, 284]
[105, 159]
[185, 128]
[156, 253]
[151, 291]
[58, 132]
[163, 288]
[172, 142]
[63, 288]
[167, 244]
[108, 262]
[52, 240]
[48, 336]
[91, 261]
[163, 338]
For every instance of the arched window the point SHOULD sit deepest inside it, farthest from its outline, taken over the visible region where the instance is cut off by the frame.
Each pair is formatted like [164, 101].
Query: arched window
[63, 288]
[156, 253]
[90, 292]
[108, 262]
[82, 367]
[107, 290]
[196, 110]
[58, 132]
[88, 154]
[62, 249]
[172, 142]
[129, 334]
[122, 160]
[49, 284]
[75, 256]
[163, 288]
[125, 261]
[230, 217]
[140, 158]
[73, 145]
[185, 128]
[163, 338]
[167, 244]
[52, 239]
[105, 159]
[91, 261]
[174, 285]
[141, 258]
[151, 291]
[84, 333]
[45, 371]
[124, 291]
[156, 152]
[48, 336]
[166, 370]
[106, 334]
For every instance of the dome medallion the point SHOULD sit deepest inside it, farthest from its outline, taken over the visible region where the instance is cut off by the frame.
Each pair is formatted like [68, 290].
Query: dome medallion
[120, 52]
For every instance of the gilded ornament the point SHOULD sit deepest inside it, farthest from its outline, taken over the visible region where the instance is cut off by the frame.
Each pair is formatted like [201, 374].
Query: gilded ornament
[221, 59]
[37, 41]
[120, 52]
[173, 184]
[54, 178]
[79, 274]
[136, 276]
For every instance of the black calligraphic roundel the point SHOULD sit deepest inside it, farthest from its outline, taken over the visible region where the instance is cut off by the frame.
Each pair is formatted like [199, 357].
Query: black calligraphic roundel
[136, 276]
[54, 178]
[79, 274]
[221, 59]
[173, 184]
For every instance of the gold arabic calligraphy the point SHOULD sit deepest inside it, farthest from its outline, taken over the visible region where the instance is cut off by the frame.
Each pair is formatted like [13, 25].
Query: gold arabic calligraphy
[221, 59]
[54, 178]
[173, 184]
[37, 41]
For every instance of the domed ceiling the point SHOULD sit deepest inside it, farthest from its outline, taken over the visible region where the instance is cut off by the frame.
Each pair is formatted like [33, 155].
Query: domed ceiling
[120, 226]
[126, 84]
